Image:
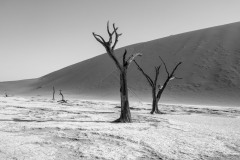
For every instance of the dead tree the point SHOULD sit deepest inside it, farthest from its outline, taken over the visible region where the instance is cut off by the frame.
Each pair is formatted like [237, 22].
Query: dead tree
[63, 100]
[53, 93]
[5, 92]
[109, 46]
[157, 89]
[61, 95]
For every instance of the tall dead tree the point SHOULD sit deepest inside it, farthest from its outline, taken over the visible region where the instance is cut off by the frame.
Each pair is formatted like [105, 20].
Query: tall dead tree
[157, 89]
[109, 46]
[53, 93]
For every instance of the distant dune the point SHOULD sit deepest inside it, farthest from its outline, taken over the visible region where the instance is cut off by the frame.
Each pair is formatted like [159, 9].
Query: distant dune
[210, 71]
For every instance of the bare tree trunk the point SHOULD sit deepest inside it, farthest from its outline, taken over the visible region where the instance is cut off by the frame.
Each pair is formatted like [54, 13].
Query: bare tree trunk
[125, 111]
[61, 95]
[157, 100]
[155, 106]
[154, 99]
[53, 93]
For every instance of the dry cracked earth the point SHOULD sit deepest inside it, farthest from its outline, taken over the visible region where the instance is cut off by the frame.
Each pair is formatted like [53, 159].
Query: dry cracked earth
[38, 128]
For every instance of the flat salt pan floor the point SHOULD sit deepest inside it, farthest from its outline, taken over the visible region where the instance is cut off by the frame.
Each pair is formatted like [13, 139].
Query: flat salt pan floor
[41, 129]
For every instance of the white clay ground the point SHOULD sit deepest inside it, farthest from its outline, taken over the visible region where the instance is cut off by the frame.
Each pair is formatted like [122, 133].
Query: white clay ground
[41, 129]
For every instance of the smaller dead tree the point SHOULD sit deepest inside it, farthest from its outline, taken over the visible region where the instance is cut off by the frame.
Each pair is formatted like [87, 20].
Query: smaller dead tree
[53, 93]
[5, 92]
[157, 89]
[63, 100]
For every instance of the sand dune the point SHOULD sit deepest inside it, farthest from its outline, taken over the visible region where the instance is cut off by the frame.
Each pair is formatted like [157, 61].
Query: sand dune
[210, 70]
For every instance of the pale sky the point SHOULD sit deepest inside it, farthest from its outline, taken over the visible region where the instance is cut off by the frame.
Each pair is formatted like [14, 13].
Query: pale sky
[41, 36]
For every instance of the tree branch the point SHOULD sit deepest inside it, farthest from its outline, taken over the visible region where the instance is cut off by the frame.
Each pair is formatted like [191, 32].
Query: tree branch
[115, 60]
[99, 38]
[107, 45]
[165, 66]
[108, 30]
[130, 59]
[116, 36]
[169, 78]
[110, 34]
[124, 58]
[177, 77]
[150, 81]
[157, 69]
[175, 68]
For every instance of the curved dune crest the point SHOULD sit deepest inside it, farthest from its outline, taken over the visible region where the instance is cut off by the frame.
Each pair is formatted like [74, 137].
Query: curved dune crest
[210, 70]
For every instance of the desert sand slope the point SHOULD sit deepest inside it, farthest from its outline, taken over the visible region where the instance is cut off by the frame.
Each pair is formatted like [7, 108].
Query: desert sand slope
[16, 87]
[210, 70]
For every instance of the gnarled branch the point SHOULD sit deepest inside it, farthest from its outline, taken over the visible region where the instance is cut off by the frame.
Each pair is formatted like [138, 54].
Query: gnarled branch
[108, 44]
[175, 68]
[117, 35]
[99, 39]
[131, 58]
[165, 66]
[109, 33]
[169, 78]
[150, 81]
[124, 57]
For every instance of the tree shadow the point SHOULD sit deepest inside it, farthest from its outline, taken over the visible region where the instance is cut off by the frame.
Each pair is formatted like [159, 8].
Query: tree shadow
[52, 120]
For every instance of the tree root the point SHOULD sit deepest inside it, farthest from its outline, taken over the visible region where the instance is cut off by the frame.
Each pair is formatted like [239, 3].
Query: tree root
[62, 101]
[157, 112]
[121, 120]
